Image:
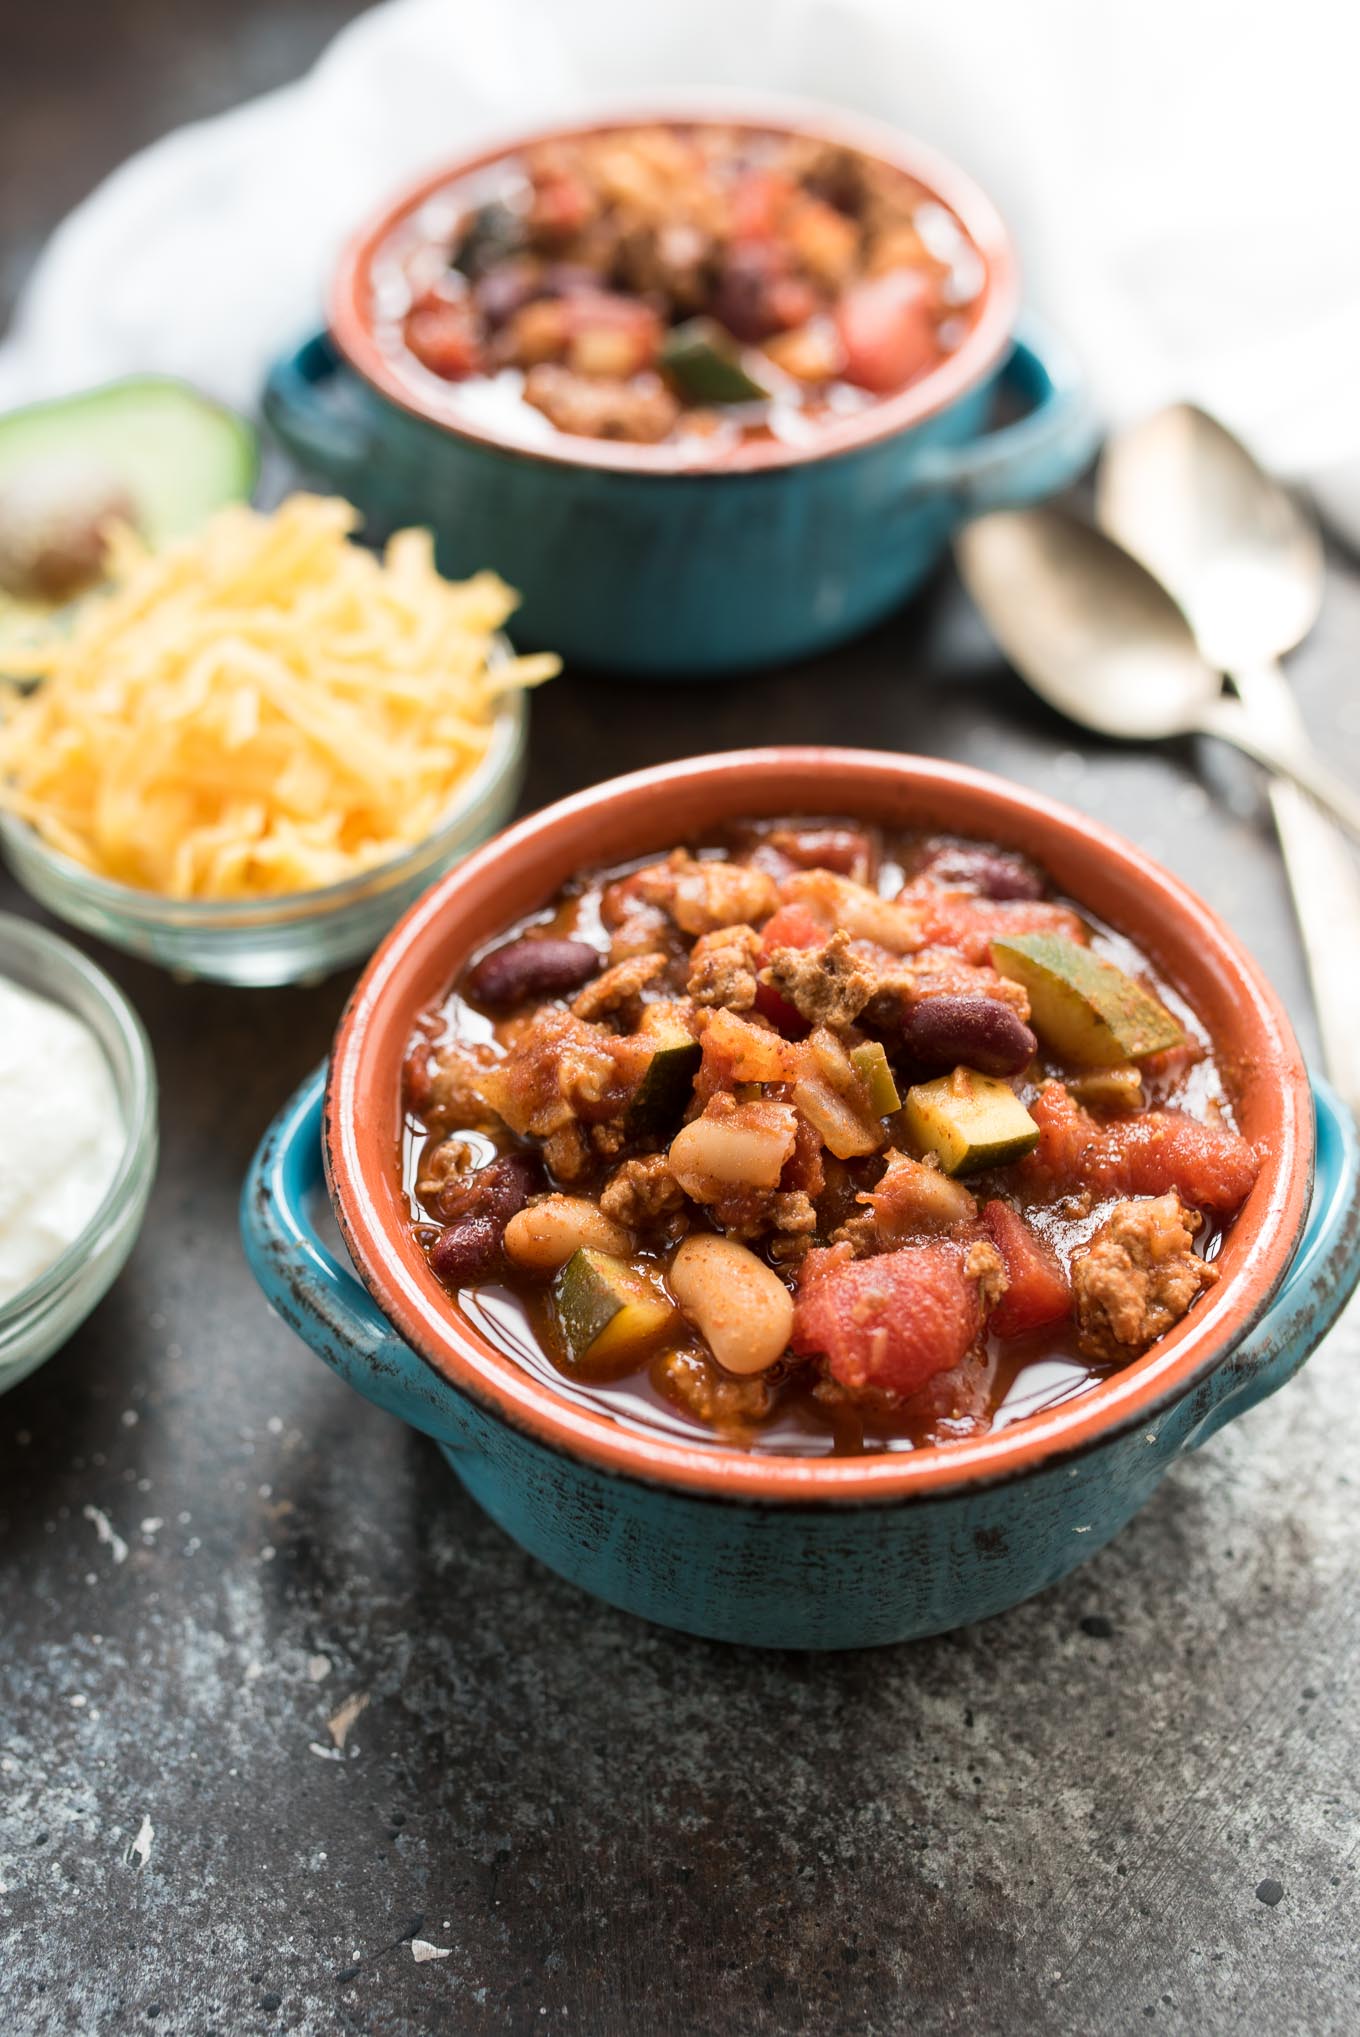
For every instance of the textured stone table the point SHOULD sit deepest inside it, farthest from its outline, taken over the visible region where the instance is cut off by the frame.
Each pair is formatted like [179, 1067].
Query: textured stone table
[1131, 1802]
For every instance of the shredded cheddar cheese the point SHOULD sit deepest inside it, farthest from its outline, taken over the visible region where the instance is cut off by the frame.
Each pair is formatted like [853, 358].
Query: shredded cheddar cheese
[261, 708]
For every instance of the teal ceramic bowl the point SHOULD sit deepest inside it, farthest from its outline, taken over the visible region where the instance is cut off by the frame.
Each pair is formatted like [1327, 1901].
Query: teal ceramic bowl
[634, 559]
[752, 1546]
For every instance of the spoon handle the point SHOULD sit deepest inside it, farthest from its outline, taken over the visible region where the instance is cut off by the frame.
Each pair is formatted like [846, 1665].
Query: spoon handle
[1325, 883]
[1294, 758]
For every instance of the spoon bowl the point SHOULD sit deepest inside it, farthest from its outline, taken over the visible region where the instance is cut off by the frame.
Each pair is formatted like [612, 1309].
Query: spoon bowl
[1232, 545]
[1100, 639]
[1089, 627]
[1245, 563]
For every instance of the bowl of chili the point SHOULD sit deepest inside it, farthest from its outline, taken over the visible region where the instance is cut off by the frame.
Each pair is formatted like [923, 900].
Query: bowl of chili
[907, 1532]
[711, 391]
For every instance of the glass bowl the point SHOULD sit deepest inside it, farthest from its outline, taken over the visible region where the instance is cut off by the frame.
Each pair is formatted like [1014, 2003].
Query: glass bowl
[40, 1317]
[299, 936]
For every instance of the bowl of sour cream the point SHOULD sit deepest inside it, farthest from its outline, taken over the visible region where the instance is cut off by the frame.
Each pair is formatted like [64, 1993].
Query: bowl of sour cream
[77, 1140]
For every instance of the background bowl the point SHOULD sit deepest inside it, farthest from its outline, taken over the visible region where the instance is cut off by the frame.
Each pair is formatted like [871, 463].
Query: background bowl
[37, 1321]
[295, 938]
[628, 557]
[797, 1551]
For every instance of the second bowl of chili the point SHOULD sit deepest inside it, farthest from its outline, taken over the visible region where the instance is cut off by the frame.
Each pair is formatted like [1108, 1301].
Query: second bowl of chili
[712, 392]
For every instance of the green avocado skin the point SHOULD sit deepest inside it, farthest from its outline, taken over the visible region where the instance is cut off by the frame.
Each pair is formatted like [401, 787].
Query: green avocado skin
[178, 454]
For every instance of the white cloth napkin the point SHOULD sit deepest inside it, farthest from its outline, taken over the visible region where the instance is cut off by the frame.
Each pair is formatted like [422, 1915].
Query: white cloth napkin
[1183, 179]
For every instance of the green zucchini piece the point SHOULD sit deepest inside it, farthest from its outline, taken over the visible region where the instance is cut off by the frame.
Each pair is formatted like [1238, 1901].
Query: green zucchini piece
[870, 1063]
[610, 1312]
[704, 363]
[1083, 1009]
[970, 1121]
[661, 1097]
[493, 232]
[1108, 1089]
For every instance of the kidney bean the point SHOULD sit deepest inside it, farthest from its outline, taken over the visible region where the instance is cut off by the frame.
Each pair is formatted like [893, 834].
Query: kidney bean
[569, 279]
[468, 1252]
[545, 967]
[977, 1032]
[503, 291]
[499, 1190]
[478, 1206]
[758, 294]
[991, 873]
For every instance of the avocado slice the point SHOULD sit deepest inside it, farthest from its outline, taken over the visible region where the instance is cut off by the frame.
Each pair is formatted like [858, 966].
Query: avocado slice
[154, 445]
[1085, 1010]
[610, 1311]
[970, 1121]
[660, 1098]
[870, 1063]
[704, 364]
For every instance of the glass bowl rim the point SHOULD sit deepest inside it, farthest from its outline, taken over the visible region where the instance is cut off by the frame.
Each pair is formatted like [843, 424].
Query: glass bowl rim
[130, 903]
[138, 1098]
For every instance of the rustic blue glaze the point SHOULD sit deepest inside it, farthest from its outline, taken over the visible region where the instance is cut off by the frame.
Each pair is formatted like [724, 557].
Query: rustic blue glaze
[785, 1576]
[689, 575]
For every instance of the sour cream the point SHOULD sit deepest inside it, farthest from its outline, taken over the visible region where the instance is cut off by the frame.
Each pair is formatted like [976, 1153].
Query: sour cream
[61, 1133]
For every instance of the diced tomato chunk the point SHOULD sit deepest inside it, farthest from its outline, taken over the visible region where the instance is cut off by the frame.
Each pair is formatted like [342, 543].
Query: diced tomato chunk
[443, 338]
[848, 851]
[887, 329]
[792, 926]
[780, 1012]
[758, 203]
[890, 1323]
[1037, 1290]
[560, 206]
[735, 1051]
[956, 919]
[1152, 1153]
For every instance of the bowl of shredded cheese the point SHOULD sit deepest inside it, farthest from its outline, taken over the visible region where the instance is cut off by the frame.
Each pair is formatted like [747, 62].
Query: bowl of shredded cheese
[248, 755]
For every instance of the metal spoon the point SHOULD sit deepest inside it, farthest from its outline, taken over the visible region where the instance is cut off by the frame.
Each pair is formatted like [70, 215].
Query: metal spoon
[1245, 563]
[1102, 641]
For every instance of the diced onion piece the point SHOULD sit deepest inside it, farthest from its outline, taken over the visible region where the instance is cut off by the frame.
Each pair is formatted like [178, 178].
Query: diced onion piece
[845, 1131]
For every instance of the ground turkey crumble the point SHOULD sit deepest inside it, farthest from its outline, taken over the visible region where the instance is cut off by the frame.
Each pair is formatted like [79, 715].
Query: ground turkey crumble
[828, 986]
[1137, 1277]
[723, 968]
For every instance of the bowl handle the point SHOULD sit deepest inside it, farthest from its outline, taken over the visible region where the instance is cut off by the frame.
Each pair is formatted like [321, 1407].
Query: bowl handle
[1036, 454]
[317, 1294]
[309, 401]
[1320, 1280]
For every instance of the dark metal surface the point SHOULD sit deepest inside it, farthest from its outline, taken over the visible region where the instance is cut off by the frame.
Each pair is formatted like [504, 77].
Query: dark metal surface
[1130, 1802]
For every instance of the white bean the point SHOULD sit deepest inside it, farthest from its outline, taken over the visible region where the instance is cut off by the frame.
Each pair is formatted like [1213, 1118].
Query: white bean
[746, 1148]
[738, 1303]
[544, 1235]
